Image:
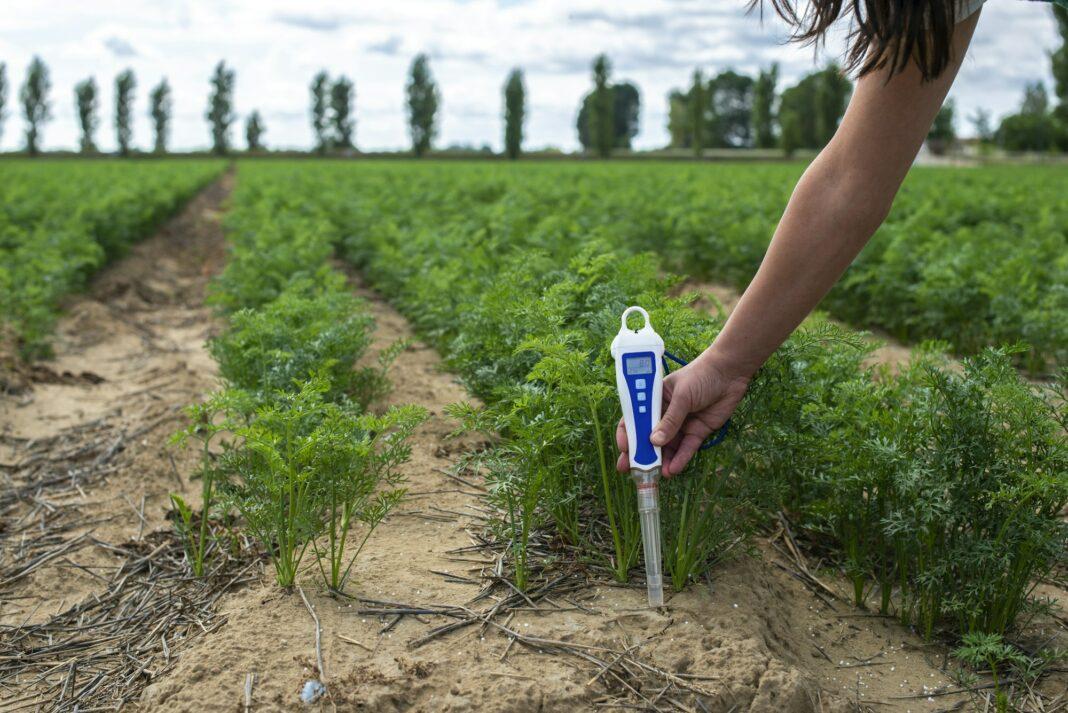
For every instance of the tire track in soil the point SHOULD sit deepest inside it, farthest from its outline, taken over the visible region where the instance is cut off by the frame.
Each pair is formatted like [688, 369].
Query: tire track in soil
[95, 424]
[753, 637]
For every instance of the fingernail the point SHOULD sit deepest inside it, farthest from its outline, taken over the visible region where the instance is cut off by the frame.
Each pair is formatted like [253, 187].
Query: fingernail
[657, 439]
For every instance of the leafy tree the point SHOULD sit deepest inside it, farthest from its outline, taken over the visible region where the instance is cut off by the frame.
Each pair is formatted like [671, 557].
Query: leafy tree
[515, 94]
[626, 110]
[730, 106]
[319, 110]
[797, 119]
[85, 100]
[342, 94]
[764, 107]
[1036, 99]
[1033, 128]
[943, 132]
[719, 112]
[809, 111]
[1028, 132]
[35, 106]
[3, 96]
[698, 108]
[423, 100]
[254, 131]
[1059, 59]
[159, 109]
[832, 95]
[791, 130]
[602, 108]
[125, 84]
[980, 120]
[220, 112]
[679, 119]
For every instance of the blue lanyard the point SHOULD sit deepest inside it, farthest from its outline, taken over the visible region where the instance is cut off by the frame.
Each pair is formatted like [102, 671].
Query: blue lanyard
[716, 438]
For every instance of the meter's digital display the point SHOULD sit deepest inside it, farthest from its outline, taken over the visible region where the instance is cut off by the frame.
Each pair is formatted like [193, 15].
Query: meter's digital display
[637, 366]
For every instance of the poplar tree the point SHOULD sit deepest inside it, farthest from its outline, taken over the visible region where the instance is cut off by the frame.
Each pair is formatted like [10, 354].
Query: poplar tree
[35, 107]
[943, 132]
[159, 109]
[254, 131]
[698, 112]
[423, 100]
[220, 112]
[514, 113]
[602, 119]
[981, 123]
[319, 108]
[85, 101]
[1059, 60]
[764, 107]
[342, 94]
[3, 96]
[125, 84]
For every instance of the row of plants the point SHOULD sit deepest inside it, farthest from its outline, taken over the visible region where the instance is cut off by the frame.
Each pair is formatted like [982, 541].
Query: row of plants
[292, 451]
[973, 258]
[60, 221]
[936, 492]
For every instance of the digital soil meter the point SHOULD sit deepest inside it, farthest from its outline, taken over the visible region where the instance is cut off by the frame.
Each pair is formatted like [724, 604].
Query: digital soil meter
[639, 357]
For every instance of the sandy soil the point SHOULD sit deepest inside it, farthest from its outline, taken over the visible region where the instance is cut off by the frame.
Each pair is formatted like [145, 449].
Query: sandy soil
[129, 355]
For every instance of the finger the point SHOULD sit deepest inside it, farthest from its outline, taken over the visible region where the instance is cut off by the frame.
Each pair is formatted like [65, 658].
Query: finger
[623, 462]
[621, 437]
[689, 446]
[674, 416]
[667, 455]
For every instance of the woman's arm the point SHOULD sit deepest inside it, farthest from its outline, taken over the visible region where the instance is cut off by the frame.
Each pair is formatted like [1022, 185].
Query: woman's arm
[842, 198]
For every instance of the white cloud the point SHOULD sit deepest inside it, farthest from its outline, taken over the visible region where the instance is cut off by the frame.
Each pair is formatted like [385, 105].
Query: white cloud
[277, 46]
[120, 47]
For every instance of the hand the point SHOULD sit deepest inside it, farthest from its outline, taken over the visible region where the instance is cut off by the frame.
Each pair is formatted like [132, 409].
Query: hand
[698, 399]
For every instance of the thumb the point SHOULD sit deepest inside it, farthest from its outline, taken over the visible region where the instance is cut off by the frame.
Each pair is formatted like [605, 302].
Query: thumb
[670, 423]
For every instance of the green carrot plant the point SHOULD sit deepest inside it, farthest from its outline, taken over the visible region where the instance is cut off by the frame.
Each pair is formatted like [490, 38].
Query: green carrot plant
[209, 430]
[273, 347]
[1000, 658]
[356, 463]
[306, 467]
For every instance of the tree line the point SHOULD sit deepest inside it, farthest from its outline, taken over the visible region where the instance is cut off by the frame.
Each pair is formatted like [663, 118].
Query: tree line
[725, 110]
[37, 109]
[732, 110]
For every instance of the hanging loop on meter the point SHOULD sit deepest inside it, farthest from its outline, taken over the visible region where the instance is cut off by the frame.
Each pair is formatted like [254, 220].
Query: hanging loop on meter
[719, 435]
[631, 310]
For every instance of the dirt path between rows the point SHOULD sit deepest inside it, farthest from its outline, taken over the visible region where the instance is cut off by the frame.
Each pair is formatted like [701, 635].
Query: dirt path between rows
[84, 455]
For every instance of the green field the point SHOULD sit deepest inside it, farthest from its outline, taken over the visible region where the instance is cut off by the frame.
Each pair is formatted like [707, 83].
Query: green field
[60, 221]
[969, 257]
[938, 492]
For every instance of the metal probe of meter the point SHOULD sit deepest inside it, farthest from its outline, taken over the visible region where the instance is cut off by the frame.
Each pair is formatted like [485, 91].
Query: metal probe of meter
[639, 356]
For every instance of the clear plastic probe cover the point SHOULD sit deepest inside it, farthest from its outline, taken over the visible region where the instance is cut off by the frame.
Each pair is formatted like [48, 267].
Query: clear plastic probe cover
[648, 487]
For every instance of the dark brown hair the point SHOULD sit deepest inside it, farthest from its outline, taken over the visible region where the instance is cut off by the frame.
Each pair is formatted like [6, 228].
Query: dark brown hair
[883, 33]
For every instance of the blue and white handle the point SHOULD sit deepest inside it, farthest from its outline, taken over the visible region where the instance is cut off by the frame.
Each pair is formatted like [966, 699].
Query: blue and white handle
[639, 356]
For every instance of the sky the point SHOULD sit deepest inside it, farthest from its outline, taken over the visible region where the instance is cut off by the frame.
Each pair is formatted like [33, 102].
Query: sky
[276, 47]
